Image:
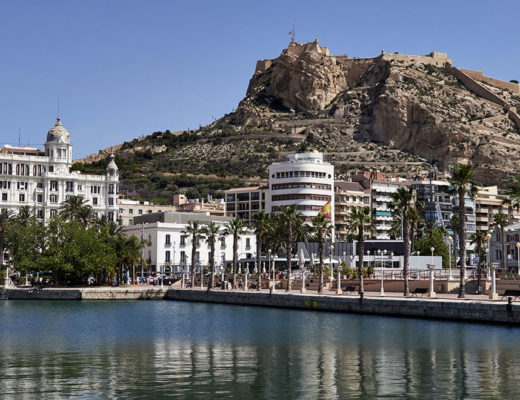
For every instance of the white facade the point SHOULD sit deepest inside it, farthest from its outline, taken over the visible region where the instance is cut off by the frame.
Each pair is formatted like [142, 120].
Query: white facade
[169, 249]
[43, 180]
[305, 181]
[381, 207]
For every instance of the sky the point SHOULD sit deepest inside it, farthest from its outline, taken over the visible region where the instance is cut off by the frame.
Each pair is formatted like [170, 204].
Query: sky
[124, 69]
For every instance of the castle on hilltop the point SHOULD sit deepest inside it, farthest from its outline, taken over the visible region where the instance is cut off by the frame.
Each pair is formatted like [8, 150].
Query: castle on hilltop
[359, 65]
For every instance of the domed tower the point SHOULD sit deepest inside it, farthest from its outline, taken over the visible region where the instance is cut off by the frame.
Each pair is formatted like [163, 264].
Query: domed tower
[58, 147]
[112, 170]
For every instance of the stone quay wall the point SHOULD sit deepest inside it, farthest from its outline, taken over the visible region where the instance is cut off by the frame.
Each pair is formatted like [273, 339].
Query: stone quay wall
[137, 293]
[471, 311]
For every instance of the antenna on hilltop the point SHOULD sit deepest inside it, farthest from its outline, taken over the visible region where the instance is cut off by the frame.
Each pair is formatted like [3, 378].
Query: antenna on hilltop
[293, 33]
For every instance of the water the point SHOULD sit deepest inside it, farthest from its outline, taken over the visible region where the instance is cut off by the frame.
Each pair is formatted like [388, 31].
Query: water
[162, 349]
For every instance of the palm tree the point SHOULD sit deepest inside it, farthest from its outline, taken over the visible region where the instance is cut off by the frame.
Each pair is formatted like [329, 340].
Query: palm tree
[291, 219]
[360, 218]
[402, 204]
[479, 238]
[414, 216]
[24, 216]
[235, 227]
[501, 220]
[513, 193]
[320, 225]
[464, 184]
[196, 232]
[85, 215]
[5, 219]
[71, 205]
[261, 225]
[211, 232]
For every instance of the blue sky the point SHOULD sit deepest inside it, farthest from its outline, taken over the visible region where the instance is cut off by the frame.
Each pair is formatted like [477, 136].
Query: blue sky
[127, 68]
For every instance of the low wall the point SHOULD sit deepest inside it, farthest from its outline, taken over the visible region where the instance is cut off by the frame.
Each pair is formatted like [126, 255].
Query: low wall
[148, 293]
[476, 311]
[478, 75]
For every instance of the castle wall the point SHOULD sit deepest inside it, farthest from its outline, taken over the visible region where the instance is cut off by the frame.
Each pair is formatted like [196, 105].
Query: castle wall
[435, 58]
[263, 65]
[355, 67]
[476, 87]
[478, 75]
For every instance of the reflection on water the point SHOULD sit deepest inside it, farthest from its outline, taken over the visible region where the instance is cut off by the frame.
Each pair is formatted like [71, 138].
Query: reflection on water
[165, 349]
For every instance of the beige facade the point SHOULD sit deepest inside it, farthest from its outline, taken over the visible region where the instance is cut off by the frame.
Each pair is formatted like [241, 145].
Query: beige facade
[129, 209]
[348, 195]
[488, 203]
[247, 201]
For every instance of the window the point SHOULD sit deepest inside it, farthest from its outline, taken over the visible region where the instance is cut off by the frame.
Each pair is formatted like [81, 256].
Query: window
[39, 198]
[69, 186]
[255, 196]
[197, 256]
[183, 240]
[130, 211]
[110, 216]
[168, 239]
[53, 198]
[39, 213]
[167, 256]
[248, 243]
[80, 187]
[51, 168]
[21, 197]
[223, 257]
[22, 185]
[183, 257]
[54, 185]
[140, 212]
[95, 189]
[110, 201]
[222, 243]
[39, 185]
[4, 196]
[230, 197]
[111, 189]
[95, 201]
[53, 213]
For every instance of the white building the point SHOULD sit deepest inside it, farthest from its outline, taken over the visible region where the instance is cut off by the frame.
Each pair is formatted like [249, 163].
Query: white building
[42, 180]
[169, 249]
[305, 181]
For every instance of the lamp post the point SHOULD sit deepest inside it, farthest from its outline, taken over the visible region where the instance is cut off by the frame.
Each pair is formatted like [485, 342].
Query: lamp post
[6, 281]
[382, 253]
[330, 262]
[432, 249]
[450, 240]
[269, 269]
[345, 258]
[392, 263]
[518, 258]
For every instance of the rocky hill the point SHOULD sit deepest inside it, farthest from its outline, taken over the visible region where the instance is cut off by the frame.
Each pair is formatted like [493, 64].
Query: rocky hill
[387, 113]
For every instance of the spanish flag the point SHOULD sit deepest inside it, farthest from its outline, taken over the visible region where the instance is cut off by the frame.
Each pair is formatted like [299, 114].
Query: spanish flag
[326, 210]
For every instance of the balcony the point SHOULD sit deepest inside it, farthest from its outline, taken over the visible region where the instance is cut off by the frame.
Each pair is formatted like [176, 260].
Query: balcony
[167, 244]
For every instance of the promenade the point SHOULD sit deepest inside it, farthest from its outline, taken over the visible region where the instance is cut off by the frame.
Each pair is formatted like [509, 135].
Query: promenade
[474, 308]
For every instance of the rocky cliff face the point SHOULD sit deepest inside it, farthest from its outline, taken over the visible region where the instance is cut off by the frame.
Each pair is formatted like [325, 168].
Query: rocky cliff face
[387, 113]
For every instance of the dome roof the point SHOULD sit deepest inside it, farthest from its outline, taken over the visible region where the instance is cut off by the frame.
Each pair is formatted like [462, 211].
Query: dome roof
[58, 133]
[112, 163]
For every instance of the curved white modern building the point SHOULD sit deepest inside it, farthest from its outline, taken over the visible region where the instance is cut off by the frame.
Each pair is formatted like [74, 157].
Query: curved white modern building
[305, 181]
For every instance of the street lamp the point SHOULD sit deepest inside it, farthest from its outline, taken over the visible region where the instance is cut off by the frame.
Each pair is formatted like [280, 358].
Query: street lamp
[382, 253]
[450, 240]
[432, 249]
[345, 258]
[368, 261]
[488, 237]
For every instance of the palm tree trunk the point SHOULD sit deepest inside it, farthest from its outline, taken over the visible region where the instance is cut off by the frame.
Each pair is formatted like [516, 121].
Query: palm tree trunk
[361, 250]
[462, 236]
[406, 289]
[212, 262]
[504, 264]
[259, 260]
[320, 249]
[193, 252]
[289, 252]
[2, 240]
[235, 248]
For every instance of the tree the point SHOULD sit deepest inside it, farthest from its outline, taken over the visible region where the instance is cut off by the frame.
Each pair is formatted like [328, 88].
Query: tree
[501, 220]
[85, 215]
[320, 225]
[212, 233]
[290, 218]
[479, 239]
[5, 220]
[71, 206]
[261, 225]
[24, 216]
[195, 231]
[235, 227]
[464, 184]
[455, 225]
[360, 219]
[513, 193]
[25, 242]
[436, 239]
[402, 204]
